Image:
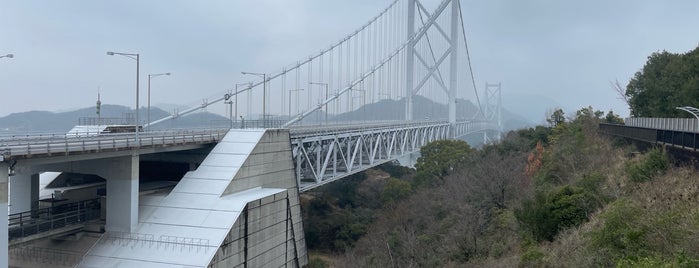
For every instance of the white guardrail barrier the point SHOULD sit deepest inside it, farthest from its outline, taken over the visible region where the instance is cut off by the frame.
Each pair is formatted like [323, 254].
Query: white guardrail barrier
[46, 143]
[676, 124]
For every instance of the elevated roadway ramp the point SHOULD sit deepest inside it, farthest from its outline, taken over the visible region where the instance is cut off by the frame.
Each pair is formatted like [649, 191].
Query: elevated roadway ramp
[238, 208]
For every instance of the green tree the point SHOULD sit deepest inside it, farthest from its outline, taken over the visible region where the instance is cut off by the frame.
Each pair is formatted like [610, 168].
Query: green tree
[395, 190]
[548, 213]
[612, 118]
[556, 118]
[666, 81]
[438, 158]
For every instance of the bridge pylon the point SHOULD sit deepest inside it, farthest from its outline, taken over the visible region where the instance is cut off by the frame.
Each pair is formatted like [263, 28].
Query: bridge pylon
[432, 67]
[493, 105]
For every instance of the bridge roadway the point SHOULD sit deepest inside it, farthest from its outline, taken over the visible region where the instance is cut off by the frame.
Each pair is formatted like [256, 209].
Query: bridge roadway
[322, 153]
[680, 133]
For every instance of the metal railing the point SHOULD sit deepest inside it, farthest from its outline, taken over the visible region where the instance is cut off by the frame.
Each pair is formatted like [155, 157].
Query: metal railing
[676, 124]
[42, 220]
[165, 242]
[27, 145]
[332, 129]
[45, 255]
[93, 121]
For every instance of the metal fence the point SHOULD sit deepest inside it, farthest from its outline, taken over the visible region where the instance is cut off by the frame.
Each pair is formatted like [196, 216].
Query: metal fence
[47, 219]
[164, 242]
[675, 124]
[94, 121]
[27, 145]
[45, 255]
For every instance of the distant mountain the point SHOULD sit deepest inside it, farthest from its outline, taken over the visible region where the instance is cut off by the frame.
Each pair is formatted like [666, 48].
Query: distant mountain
[533, 107]
[423, 108]
[42, 121]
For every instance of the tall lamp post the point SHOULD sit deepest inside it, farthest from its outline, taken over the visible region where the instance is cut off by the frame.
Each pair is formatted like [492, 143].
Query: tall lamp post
[134, 57]
[264, 95]
[227, 100]
[149, 77]
[236, 97]
[8, 56]
[326, 96]
[297, 99]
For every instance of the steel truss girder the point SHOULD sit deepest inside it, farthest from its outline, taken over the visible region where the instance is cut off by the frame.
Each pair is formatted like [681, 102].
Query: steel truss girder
[324, 158]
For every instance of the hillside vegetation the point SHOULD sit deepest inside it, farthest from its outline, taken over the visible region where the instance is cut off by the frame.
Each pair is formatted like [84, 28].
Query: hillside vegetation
[556, 196]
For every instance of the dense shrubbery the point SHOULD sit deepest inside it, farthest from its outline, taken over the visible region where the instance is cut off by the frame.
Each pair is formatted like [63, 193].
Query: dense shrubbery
[336, 217]
[650, 165]
[549, 213]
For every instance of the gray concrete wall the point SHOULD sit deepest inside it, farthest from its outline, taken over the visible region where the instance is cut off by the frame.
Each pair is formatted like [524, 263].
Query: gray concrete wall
[4, 178]
[270, 165]
[266, 230]
[24, 192]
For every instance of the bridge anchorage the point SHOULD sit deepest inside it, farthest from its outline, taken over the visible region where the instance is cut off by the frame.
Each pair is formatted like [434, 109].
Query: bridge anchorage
[229, 197]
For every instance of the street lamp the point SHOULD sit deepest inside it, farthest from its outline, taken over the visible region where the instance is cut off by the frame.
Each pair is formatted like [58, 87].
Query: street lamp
[134, 57]
[227, 100]
[149, 77]
[297, 99]
[249, 84]
[230, 102]
[326, 96]
[8, 56]
[264, 95]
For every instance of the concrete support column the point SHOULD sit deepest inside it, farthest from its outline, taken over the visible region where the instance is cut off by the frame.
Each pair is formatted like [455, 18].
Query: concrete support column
[409, 160]
[122, 194]
[122, 190]
[24, 193]
[4, 176]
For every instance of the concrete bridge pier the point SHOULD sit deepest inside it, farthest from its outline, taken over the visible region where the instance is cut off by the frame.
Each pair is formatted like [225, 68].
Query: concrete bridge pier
[24, 192]
[4, 179]
[121, 174]
[122, 194]
[409, 160]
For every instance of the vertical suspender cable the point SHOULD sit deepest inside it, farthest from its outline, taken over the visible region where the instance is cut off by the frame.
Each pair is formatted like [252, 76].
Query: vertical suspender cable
[283, 100]
[468, 57]
[349, 69]
[331, 78]
[298, 85]
[339, 76]
[309, 90]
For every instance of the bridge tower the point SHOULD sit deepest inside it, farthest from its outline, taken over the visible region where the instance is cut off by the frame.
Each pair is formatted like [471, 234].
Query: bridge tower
[493, 104]
[452, 52]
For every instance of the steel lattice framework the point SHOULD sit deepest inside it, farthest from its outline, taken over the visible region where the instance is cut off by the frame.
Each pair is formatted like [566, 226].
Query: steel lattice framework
[322, 157]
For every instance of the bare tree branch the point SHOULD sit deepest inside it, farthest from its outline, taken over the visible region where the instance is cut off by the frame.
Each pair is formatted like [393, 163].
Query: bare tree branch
[620, 91]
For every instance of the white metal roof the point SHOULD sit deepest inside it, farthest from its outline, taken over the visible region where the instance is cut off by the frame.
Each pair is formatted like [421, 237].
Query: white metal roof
[82, 131]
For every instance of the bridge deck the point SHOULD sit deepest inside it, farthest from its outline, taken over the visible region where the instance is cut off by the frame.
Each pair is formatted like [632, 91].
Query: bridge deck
[680, 139]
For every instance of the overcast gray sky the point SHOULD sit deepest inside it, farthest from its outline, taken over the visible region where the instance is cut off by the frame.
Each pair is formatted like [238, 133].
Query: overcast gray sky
[545, 53]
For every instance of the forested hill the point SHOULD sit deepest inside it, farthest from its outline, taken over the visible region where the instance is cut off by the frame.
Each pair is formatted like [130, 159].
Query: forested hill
[552, 196]
[43, 121]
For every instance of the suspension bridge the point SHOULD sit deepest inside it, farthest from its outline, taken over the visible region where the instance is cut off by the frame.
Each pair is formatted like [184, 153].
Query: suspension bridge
[234, 201]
